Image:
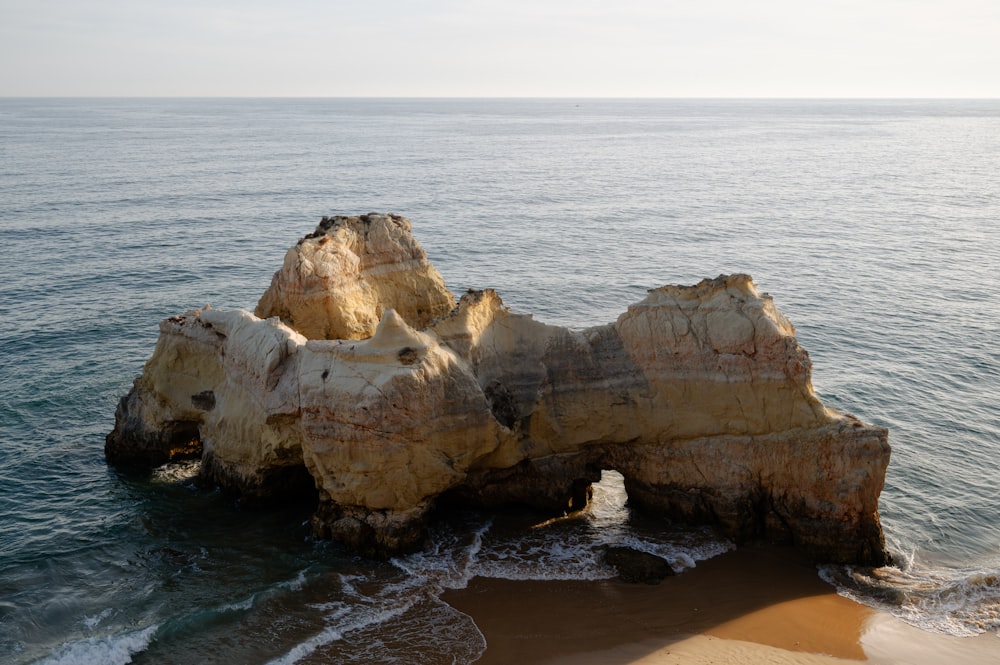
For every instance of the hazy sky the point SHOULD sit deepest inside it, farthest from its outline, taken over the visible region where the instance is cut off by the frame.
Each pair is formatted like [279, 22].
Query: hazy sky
[533, 48]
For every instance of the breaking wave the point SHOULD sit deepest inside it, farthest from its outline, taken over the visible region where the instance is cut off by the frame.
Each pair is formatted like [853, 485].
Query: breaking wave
[107, 650]
[954, 601]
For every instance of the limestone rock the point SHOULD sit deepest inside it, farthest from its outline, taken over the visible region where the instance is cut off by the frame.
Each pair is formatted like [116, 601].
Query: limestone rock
[224, 386]
[367, 386]
[339, 280]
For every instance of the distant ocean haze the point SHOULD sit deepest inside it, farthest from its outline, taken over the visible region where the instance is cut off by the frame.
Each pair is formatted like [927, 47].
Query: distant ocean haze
[873, 224]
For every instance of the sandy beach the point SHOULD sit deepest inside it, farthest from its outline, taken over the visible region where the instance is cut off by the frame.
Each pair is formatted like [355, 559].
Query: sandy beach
[754, 605]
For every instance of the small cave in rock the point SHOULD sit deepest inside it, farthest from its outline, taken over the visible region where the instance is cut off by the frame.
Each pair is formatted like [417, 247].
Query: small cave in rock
[278, 486]
[183, 440]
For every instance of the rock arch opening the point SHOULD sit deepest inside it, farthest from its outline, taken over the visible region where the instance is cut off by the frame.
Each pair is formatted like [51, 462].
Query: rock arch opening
[609, 499]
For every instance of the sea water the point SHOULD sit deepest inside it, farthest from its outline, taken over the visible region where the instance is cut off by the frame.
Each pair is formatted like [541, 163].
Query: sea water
[874, 224]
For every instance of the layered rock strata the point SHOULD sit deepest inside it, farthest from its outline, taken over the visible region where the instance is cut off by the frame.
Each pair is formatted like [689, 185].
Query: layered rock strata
[700, 396]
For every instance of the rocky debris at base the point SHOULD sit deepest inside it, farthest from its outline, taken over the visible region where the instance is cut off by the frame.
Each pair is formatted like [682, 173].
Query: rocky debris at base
[637, 567]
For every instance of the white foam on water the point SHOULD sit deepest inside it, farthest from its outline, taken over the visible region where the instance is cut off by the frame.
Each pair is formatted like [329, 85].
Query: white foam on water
[342, 618]
[683, 551]
[294, 584]
[356, 624]
[542, 555]
[349, 583]
[561, 554]
[176, 473]
[238, 606]
[449, 561]
[572, 548]
[104, 650]
[395, 614]
[91, 622]
[300, 651]
[430, 632]
[362, 618]
[959, 602]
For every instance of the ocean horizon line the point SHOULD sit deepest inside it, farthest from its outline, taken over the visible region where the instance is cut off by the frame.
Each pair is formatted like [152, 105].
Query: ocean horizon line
[514, 97]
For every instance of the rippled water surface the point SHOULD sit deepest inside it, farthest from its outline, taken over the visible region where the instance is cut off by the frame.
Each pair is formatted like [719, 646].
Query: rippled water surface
[874, 224]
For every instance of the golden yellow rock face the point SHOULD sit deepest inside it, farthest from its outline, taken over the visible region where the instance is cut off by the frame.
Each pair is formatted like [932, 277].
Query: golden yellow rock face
[338, 281]
[370, 384]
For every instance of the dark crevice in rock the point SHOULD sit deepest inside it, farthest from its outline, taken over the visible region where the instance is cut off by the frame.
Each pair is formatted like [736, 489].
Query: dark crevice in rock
[265, 488]
[407, 355]
[205, 400]
[132, 444]
[502, 403]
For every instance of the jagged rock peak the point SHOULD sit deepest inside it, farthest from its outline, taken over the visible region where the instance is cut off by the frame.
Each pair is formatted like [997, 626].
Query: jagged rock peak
[338, 281]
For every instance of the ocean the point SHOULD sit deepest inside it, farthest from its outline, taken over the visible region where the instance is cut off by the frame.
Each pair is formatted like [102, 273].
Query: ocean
[875, 225]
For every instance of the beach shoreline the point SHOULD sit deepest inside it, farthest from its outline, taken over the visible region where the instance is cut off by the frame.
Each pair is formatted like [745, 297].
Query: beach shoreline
[757, 604]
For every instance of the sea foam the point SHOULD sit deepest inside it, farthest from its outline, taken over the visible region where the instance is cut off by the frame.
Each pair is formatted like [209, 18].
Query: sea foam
[959, 602]
[105, 650]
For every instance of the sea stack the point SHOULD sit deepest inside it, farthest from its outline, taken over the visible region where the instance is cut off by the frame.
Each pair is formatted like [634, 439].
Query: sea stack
[362, 379]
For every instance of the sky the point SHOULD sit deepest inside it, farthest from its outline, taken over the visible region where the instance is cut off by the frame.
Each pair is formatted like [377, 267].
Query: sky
[500, 48]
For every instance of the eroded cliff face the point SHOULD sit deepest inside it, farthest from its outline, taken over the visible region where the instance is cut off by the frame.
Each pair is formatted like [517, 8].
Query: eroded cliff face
[338, 281]
[366, 386]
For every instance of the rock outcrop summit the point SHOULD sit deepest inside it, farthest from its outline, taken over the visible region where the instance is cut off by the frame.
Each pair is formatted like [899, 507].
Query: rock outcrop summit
[360, 378]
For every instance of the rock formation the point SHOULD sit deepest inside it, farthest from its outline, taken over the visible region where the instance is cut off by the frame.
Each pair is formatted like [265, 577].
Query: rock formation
[637, 567]
[369, 384]
[338, 281]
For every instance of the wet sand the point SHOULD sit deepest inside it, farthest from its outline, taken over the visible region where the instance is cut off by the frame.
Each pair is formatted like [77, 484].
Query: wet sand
[755, 605]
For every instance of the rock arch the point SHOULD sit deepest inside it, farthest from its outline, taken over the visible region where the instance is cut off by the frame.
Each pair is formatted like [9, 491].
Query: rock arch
[700, 396]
